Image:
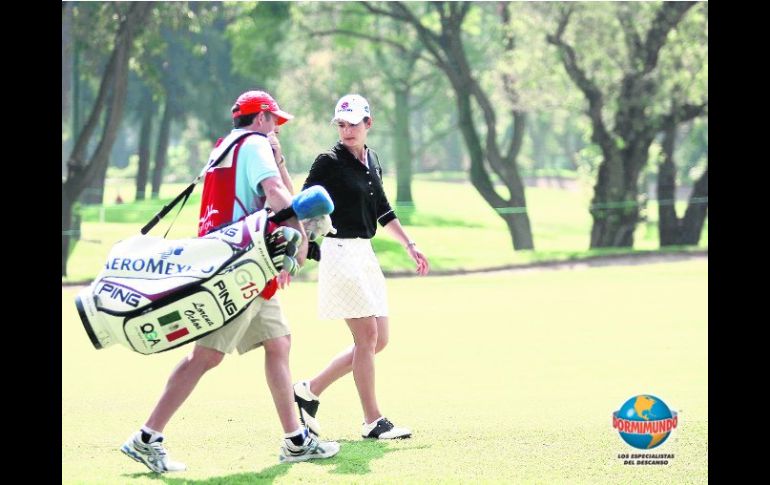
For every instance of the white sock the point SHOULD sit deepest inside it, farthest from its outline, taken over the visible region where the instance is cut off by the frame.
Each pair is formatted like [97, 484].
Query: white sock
[306, 385]
[373, 422]
[154, 435]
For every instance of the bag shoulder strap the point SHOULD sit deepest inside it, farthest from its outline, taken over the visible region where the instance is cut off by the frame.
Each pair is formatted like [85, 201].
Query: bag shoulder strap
[185, 194]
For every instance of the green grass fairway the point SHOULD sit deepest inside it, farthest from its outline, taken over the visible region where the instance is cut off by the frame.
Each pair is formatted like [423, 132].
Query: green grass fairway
[503, 378]
[453, 226]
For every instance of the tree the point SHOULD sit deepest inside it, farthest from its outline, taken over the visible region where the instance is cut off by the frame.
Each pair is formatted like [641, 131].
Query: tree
[446, 47]
[161, 147]
[82, 168]
[673, 230]
[396, 55]
[633, 89]
[400, 75]
[147, 113]
[185, 53]
[172, 69]
[66, 65]
[556, 140]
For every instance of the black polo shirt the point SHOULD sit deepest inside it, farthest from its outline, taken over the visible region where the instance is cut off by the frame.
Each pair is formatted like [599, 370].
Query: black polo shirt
[359, 199]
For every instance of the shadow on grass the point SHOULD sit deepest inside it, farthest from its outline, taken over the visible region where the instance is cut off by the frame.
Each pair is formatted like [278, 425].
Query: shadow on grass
[354, 458]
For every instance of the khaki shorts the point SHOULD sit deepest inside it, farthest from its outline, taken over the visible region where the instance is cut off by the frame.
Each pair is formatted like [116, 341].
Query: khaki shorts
[262, 320]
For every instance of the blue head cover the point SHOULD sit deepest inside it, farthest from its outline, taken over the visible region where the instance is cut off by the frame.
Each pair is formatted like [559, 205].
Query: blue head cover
[312, 202]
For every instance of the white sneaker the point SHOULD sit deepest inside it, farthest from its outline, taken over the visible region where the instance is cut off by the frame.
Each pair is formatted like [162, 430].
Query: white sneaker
[153, 455]
[311, 449]
[383, 429]
[308, 407]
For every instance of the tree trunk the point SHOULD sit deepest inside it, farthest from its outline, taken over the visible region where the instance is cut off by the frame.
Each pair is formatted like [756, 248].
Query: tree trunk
[513, 211]
[82, 169]
[615, 229]
[161, 149]
[94, 194]
[538, 131]
[75, 98]
[674, 231]
[614, 208]
[66, 81]
[66, 229]
[403, 148]
[520, 230]
[66, 61]
[144, 148]
[696, 212]
[454, 149]
[669, 228]
[571, 143]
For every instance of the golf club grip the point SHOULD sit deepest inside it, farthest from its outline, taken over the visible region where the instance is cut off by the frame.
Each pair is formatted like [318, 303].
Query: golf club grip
[156, 218]
[167, 208]
[283, 214]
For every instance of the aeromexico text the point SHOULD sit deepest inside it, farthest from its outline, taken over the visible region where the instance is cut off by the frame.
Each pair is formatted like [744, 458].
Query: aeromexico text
[158, 266]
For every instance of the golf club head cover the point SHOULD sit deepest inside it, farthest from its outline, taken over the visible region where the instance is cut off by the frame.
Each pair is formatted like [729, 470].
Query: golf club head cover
[318, 226]
[312, 202]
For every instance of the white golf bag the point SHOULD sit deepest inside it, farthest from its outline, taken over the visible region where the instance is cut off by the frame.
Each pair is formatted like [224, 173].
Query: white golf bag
[156, 294]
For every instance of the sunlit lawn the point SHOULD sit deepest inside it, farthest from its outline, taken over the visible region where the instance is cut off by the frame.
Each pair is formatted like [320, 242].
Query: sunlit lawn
[453, 226]
[504, 378]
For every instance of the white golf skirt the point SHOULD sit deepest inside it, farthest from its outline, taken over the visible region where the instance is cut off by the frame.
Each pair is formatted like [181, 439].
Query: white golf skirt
[350, 280]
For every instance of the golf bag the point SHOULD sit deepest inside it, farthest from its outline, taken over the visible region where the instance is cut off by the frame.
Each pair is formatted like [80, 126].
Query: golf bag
[156, 294]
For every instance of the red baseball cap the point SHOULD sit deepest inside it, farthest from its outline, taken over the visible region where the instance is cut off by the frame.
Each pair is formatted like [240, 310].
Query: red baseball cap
[252, 102]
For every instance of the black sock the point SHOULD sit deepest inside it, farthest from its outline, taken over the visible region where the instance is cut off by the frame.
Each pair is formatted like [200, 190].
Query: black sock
[298, 439]
[146, 437]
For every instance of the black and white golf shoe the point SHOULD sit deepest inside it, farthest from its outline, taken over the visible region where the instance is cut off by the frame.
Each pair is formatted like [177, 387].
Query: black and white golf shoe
[308, 407]
[383, 429]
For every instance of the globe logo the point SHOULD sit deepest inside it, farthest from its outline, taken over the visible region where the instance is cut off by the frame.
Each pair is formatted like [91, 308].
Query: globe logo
[644, 421]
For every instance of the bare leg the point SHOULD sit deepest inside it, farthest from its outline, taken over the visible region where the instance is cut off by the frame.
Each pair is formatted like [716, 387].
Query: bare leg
[181, 383]
[342, 363]
[279, 380]
[365, 340]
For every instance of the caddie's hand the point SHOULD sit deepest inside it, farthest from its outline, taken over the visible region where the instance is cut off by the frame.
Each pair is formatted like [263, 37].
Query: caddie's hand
[275, 144]
[283, 279]
[423, 266]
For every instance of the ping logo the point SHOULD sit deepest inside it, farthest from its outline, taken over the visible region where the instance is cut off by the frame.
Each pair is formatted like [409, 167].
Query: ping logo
[225, 298]
[121, 294]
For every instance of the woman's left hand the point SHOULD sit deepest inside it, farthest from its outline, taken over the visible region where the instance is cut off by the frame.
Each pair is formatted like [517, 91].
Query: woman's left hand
[422, 262]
